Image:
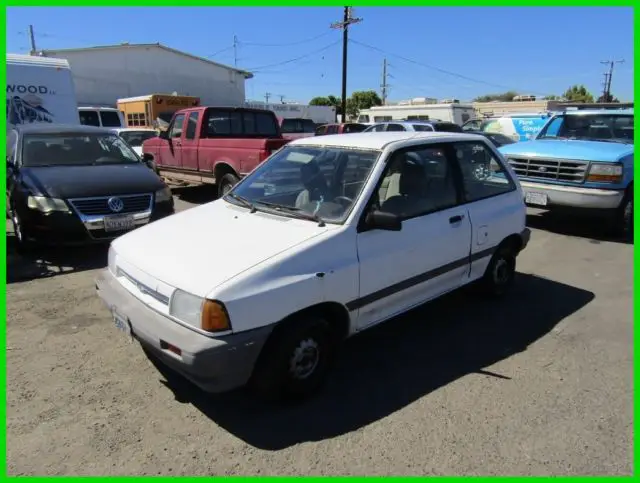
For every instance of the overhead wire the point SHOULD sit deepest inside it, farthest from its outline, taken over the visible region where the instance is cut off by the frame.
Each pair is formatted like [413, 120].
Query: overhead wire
[438, 69]
[303, 41]
[295, 59]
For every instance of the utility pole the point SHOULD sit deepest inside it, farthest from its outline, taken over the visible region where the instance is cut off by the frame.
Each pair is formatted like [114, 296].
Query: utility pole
[606, 93]
[33, 40]
[344, 25]
[281, 98]
[267, 95]
[235, 51]
[384, 82]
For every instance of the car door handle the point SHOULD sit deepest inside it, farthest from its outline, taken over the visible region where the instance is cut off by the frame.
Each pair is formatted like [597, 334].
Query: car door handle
[456, 219]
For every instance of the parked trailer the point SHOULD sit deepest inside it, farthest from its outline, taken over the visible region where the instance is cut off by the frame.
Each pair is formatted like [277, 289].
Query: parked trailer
[453, 112]
[40, 89]
[154, 110]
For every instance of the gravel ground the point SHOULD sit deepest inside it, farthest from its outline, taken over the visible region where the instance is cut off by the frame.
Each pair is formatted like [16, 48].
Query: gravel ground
[538, 384]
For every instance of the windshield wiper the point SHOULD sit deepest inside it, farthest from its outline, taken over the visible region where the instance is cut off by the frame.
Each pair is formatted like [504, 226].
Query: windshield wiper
[245, 202]
[296, 212]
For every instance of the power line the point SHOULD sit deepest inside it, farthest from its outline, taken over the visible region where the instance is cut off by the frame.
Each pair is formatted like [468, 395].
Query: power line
[606, 92]
[344, 25]
[221, 51]
[310, 39]
[253, 69]
[444, 71]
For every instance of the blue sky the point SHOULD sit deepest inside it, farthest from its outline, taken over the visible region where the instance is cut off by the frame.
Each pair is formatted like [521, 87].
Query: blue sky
[434, 52]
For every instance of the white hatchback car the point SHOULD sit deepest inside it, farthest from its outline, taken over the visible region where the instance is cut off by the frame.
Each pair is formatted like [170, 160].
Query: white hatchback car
[328, 237]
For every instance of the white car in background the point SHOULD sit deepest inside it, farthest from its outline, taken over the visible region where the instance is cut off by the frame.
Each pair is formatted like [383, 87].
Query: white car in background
[135, 136]
[328, 237]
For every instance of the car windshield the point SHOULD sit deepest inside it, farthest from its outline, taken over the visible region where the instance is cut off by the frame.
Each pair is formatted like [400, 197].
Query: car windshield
[297, 126]
[314, 182]
[136, 138]
[591, 127]
[75, 149]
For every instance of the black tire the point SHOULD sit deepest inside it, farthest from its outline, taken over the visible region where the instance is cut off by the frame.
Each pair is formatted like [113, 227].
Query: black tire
[622, 219]
[296, 360]
[227, 182]
[501, 272]
[23, 245]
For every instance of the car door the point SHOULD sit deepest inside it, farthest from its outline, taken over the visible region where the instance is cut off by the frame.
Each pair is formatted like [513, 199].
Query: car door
[170, 151]
[189, 149]
[491, 196]
[430, 254]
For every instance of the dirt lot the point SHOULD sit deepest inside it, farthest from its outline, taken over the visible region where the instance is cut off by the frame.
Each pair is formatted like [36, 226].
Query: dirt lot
[538, 384]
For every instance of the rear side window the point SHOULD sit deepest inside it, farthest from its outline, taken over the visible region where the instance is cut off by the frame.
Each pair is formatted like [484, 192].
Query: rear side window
[354, 128]
[110, 119]
[447, 127]
[89, 118]
[333, 129]
[483, 175]
[395, 127]
[321, 130]
[422, 127]
[192, 123]
[241, 124]
[297, 126]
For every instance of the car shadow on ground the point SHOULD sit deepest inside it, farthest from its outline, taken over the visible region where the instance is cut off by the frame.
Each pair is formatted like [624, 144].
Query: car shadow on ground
[46, 262]
[196, 194]
[577, 226]
[392, 365]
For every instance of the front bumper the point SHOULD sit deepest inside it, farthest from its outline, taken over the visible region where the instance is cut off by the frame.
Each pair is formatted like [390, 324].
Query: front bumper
[71, 229]
[574, 196]
[213, 364]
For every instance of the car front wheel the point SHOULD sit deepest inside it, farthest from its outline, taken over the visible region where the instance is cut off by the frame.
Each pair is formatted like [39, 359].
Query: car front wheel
[501, 272]
[296, 361]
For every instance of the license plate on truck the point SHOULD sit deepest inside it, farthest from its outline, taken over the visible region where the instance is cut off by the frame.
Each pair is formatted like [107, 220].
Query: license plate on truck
[533, 198]
[119, 223]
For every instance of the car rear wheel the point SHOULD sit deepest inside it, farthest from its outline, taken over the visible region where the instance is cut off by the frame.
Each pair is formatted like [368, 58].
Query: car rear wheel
[296, 361]
[227, 182]
[501, 272]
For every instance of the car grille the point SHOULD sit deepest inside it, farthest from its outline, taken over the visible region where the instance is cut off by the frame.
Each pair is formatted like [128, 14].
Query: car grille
[100, 205]
[550, 169]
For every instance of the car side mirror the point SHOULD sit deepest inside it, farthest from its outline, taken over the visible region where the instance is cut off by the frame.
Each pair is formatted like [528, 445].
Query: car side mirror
[147, 159]
[382, 220]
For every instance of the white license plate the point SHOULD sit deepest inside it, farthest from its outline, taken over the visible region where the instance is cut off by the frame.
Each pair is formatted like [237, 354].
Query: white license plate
[533, 198]
[121, 323]
[119, 223]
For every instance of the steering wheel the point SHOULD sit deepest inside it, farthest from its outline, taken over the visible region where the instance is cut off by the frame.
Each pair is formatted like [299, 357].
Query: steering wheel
[343, 200]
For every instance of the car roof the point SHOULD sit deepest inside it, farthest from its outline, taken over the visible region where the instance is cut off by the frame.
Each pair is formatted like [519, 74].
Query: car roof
[611, 112]
[46, 128]
[125, 129]
[380, 140]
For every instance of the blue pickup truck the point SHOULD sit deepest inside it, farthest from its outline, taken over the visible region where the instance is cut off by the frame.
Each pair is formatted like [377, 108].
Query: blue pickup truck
[580, 161]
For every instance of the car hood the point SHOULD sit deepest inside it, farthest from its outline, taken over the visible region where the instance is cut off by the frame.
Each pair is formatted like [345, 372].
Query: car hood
[84, 181]
[569, 149]
[200, 248]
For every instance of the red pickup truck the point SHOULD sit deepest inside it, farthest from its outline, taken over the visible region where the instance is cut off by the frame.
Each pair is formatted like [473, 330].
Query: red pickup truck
[214, 145]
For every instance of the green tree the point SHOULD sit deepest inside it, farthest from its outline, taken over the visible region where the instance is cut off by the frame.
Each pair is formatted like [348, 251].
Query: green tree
[551, 97]
[505, 97]
[320, 101]
[578, 93]
[608, 98]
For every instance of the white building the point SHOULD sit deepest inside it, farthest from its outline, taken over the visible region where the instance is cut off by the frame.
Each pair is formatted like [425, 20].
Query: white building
[107, 73]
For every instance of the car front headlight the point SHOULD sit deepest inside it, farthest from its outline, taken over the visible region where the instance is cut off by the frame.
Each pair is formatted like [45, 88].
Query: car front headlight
[45, 204]
[163, 195]
[203, 314]
[605, 173]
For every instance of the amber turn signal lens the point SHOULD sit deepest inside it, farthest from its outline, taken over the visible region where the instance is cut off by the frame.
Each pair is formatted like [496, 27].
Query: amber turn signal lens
[214, 317]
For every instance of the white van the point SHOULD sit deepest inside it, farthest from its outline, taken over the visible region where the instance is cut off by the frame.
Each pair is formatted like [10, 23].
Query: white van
[40, 89]
[101, 116]
[517, 126]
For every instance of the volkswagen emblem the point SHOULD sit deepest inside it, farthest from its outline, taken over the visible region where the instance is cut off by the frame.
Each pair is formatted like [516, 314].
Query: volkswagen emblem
[115, 204]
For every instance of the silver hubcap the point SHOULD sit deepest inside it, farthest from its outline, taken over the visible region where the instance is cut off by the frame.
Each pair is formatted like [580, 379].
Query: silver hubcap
[305, 359]
[501, 272]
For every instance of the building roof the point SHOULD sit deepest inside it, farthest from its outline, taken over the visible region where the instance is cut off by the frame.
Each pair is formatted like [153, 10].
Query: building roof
[34, 60]
[380, 140]
[247, 75]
